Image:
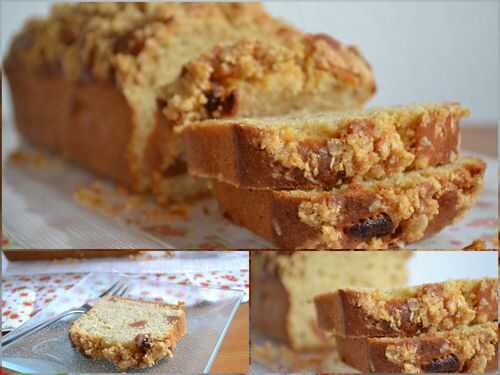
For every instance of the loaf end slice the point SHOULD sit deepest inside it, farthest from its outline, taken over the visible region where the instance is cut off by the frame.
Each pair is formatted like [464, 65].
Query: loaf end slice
[408, 311]
[398, 210]
[261, 77]
[129, 333]
[470, 349]
[326, 149]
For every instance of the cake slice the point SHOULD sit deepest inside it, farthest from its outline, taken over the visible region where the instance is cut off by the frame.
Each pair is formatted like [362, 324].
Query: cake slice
[323, 150]
[471, 349]
[408, 311]
[400, 209]
[255, 77]
[284, 284]
[129, 333]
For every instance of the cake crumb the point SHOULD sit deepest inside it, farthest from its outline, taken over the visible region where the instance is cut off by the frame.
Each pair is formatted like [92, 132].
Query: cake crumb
[33, 158]
[134, 209]
[277, 357]
[476, 245]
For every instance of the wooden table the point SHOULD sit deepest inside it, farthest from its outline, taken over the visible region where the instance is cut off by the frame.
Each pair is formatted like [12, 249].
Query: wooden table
[234, 355]
[480, 139]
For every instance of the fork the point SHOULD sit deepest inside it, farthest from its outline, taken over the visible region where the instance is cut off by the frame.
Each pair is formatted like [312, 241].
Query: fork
[116, 289]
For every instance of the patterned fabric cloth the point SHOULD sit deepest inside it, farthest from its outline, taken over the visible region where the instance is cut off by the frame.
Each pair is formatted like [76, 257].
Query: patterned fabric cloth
[24, 296]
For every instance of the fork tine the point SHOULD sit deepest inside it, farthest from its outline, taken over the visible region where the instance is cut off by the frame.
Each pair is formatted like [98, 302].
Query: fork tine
[120, 291]
[110, 290]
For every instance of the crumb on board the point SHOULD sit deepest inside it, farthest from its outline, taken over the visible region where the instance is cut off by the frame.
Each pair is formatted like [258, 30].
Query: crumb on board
[34, 158]
[476, 245]
[66, 260]
[146, 255]
[179, 211]
[93, 196]
[496, 241]
[278, 357]
[138, 209]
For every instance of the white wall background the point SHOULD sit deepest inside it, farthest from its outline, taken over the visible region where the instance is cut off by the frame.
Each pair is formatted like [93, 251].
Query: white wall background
[421, 51]
[436, 266]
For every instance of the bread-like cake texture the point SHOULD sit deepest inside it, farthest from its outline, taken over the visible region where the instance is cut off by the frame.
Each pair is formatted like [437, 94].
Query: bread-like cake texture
[377, 214]
[284, 285]
[86, 80]
[408, 311]
[471, 349]
[129, 333]
[323, 150]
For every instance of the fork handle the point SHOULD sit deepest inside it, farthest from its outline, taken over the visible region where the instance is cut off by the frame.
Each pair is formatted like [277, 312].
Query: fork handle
[13, 336]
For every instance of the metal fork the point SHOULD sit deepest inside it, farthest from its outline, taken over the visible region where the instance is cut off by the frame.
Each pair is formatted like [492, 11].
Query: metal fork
[116, 289]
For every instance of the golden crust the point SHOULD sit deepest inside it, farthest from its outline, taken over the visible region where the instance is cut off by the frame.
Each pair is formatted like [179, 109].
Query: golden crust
[408, 311]
[323, 150]
[471, 349]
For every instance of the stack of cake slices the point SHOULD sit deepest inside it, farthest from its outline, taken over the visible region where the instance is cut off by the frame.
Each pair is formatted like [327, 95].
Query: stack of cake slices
[442, 327]
[369, 179]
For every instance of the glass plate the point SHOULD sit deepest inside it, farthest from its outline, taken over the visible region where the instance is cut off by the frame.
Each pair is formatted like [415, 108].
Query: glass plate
[209, 313]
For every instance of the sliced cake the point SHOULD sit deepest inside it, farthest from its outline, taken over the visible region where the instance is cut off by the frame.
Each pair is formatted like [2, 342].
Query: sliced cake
[322, 150]
[285, 283]
[129, 333]
[377, 214]
[408, 311]
[471, 349]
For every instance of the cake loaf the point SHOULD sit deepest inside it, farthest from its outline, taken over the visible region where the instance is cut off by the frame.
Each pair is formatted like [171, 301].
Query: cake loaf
[323, 150]
[408, 311]
[471, 349]
[284, 285]
[129, 333]
[86, 81]
[377, 214]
